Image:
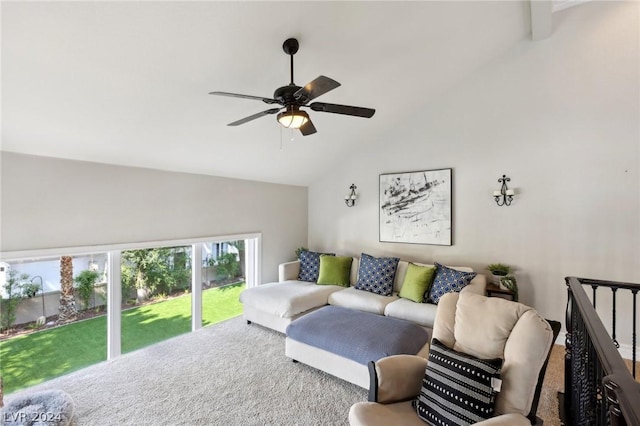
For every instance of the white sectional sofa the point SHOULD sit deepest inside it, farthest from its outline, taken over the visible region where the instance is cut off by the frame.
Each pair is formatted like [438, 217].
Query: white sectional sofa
[276, 305]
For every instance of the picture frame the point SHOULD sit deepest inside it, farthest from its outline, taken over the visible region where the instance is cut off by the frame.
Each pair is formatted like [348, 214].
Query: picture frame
[416, 207]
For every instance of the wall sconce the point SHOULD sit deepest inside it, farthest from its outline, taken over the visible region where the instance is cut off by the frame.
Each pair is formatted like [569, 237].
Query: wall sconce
[350, 199]
[504, 195]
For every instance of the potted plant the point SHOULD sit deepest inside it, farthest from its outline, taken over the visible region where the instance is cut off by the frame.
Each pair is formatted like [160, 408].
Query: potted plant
[498, 270]
[509, 282]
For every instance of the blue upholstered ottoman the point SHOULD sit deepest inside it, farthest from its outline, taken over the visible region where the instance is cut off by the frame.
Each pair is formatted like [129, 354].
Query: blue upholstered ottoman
[342, 341]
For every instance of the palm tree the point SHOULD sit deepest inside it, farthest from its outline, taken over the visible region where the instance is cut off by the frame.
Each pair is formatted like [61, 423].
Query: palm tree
[68, 311]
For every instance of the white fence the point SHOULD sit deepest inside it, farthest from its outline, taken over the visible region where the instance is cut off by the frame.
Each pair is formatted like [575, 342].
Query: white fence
[31, 308]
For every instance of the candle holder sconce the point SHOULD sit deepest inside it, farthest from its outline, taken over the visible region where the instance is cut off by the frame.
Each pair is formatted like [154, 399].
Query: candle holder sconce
[504, 195]
[350, 199]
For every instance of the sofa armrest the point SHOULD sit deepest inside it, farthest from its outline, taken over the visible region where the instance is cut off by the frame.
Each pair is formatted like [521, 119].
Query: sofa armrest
[396, 378]
[478, 285]
[512, 419]
[289, 271]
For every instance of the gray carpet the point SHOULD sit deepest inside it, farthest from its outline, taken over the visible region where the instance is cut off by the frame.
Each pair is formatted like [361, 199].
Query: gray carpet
[227, 374]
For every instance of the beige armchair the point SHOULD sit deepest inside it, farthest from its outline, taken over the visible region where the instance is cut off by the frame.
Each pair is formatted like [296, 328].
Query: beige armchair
[484, 328]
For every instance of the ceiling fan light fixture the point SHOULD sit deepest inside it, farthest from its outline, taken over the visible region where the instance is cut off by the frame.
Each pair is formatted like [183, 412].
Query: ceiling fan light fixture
[293, 119]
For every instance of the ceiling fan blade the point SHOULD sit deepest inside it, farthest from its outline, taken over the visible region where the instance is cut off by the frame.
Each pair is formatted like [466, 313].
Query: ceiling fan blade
[315, 88]
[254, 116]
[308, 128]
[343, 109]
[238, 95]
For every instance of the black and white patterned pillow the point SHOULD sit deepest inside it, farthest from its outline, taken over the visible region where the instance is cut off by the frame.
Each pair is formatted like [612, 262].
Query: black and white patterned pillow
[448, 280]
[457, 388]
[376, 274]
[310, 265]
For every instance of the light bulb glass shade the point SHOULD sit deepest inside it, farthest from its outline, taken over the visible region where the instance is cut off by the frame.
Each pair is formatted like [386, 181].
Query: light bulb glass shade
[293, 119]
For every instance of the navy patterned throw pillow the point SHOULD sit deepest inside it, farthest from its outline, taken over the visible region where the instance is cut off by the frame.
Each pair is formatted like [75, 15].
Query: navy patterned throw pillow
[376, 274]
[457, 388]
[448, 280]
[310, 265]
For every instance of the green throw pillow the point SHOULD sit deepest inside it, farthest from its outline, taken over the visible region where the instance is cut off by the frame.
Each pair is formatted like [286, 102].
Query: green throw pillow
[335, 270]
[416, 282]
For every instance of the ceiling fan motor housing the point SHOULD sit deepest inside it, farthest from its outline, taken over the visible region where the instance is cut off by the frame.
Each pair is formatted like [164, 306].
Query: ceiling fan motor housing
[284, 94]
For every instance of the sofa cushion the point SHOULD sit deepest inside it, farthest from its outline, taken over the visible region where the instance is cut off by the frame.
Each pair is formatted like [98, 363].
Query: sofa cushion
[288, 298]
[416, 282]
[423, 314]
[361, 300]
[448, 280]
[335, 270]
[310, 265]
[376, 274]
[483, 336]
[401, 271]
[457, 388]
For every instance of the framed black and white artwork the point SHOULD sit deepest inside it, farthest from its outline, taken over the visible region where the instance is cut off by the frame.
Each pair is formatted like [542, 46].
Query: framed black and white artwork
[415, 207]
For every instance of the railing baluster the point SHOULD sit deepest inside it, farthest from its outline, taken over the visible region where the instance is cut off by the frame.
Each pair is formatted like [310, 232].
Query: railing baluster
[613, 317]
[581, 363]
[602, 406]
[591, 381]
[569, 390]
[633, 334]
[594, 287]
[615, 415]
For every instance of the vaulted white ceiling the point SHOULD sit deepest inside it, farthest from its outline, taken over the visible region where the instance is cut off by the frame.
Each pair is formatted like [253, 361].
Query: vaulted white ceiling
[126, 82]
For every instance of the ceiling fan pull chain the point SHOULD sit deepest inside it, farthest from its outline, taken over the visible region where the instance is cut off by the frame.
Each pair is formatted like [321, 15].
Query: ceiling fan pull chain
[292, 137]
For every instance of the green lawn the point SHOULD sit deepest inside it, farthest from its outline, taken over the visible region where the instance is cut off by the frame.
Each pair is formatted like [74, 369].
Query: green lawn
[34, 358]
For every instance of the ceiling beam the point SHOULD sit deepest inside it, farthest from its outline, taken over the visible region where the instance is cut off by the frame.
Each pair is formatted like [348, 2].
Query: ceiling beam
[541, 19]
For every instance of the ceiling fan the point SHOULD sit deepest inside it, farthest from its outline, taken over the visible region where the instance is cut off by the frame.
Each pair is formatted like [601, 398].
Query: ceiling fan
[291, 98]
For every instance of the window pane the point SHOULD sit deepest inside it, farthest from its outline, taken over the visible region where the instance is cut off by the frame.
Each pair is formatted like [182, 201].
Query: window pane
[156, 287]
[223, 278]
[52, 317]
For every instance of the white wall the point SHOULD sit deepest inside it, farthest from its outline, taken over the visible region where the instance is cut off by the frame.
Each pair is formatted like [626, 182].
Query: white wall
[561, 118]
[51, 203]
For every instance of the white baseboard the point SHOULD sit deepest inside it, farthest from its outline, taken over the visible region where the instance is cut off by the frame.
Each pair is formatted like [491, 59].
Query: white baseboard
[624, 349]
